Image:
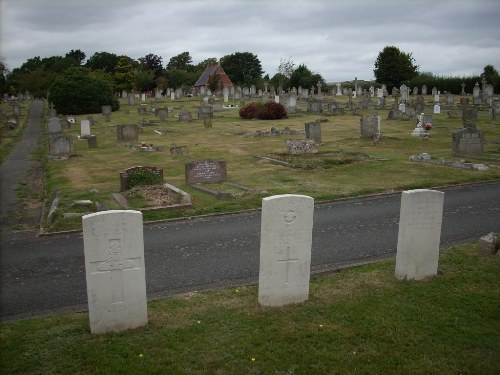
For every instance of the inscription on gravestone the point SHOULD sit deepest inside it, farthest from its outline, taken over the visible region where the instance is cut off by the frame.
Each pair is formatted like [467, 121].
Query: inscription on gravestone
[205, 171]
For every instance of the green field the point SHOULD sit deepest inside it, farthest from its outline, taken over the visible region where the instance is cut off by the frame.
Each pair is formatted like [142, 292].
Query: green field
[332, 174]
[357, 321]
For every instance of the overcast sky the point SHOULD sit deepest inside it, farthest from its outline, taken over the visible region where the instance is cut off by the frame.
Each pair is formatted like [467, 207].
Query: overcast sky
[338, 39]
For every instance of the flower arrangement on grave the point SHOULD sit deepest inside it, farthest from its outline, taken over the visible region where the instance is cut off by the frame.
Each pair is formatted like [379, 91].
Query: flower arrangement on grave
[427, 126]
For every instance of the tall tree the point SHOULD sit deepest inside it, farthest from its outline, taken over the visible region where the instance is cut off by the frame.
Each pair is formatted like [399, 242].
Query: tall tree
[285, 70]
[104, 61]
[144, 81]
[152, 63]
[202, 65]
[124, 74]
[243, 68]
[182, 61]
[77, 55]
[490, 74]
[394, 67]
[304, 77]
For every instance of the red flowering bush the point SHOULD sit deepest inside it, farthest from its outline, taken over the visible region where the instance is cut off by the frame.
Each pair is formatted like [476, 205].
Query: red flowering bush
[267, 111]
[250, 110]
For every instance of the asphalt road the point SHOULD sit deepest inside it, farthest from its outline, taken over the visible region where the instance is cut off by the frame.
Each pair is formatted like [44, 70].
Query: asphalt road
[42, 275]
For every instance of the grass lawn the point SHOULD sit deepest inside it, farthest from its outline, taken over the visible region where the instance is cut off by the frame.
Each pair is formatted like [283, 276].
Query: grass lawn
[356, 321]
[234, 140]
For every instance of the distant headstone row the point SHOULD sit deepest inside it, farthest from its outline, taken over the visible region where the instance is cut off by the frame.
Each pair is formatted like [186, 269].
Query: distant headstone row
[115, 269]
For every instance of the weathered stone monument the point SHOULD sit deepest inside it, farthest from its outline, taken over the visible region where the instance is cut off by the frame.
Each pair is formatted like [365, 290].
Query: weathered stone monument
[370, 126]
[84, 128]
[313, 131]
[469, 140]
[419, 234]
[115, 272]
[301, 146]
[285, 249]
[127, 133]
[205, 171]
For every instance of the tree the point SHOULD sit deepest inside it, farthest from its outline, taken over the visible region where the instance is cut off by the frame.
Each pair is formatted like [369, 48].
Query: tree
[178, 78]
[285, 70]
[394, 67]
[143, 81]
[124, 74]
[77, 55]
[152, 63]
[201, 66]
[303, 77]
[181, 62]
[104, 61]
[77, 91]
[491, 75]
[242, 68]
[4, 72]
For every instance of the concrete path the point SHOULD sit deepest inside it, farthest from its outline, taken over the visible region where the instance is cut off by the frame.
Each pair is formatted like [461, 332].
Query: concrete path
[19, 166]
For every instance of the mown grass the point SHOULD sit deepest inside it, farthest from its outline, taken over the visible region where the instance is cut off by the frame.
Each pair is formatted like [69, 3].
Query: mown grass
[233, 139]
[356, 321]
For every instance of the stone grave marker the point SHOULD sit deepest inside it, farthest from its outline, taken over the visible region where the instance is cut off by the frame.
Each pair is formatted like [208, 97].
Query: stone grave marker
[92, 141]
[301, 146]
[125, 175]
[54, 125]
[207, 122]
[131, 99]
[84, 128]
[115, 272]
[205, 111]
[469, 118]
[419, 234]
[285, 249]
[313, 131]
[476, 94]
[60, 147]
[178, 151]
[450, 99]
[127, 133]
[162, 114]
[437, 108]
[185, 116]
[370, 126]
[468, 141]
[205, 171]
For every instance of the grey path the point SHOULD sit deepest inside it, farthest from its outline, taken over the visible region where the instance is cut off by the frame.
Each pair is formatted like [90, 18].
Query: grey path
[46, 274]
[18, 165]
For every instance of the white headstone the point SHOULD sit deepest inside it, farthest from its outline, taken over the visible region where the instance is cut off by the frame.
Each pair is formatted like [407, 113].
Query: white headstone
[84, 128]
[276, 98]
[143, 97]
[285, 249]
[114, 266]
[437, 108]
[419, 234]
[172, 95]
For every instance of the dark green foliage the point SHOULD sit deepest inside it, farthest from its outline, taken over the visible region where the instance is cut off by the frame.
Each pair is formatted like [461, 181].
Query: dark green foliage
[452, 85]
[182, 61]
[242, 68]
[267, 111]
[394, 67]
[303, 77]
[142, 177]
[77, 91]
[104, 61]
[77, 55]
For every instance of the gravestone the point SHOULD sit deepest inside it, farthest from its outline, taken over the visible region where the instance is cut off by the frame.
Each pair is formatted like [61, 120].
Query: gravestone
[142, 109]
[315, 106]
[313, 131]
[415, 91]
[60, 147]
[450, 99]
[419, 130]
[185, 116]
[285, 249]
[92, 141]
[370, 126]
[464, 102]
[162, 114]
[84, 128]
[339, 89]
[419, 234]
[178, 151]
[205, 171]
[292, 102]
[205, 111]
[225, 92]
[424, 90]
[476, 94]
[469, 118]
[125, 175]
[127, 133]
[207, 122]
[437, 108]
[115, 272]
[54, 125]
[300, 146]
[468, 141]
[434, 91]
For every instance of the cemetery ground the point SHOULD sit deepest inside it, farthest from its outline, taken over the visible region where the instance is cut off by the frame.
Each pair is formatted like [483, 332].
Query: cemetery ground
[358, 320]
[346, 165]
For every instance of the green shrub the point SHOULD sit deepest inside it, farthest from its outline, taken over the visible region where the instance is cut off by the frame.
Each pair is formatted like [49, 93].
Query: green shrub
[141, 177]
[77, 91]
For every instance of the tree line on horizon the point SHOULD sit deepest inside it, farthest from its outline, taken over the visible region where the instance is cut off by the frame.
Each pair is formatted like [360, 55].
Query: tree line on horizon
[392, 67]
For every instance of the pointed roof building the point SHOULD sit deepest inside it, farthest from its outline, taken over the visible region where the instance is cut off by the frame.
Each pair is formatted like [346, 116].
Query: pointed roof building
[210, 71]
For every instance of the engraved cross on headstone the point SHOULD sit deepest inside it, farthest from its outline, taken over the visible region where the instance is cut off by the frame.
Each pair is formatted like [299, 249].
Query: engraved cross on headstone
[115, 264]
[287, 262]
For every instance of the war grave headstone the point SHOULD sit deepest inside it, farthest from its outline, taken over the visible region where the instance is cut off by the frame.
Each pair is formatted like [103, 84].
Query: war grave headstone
[370, 126]
[313, 131]
[127, 133]
[419, 235]
[125, 175]
[115, 271]
[285, 249]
